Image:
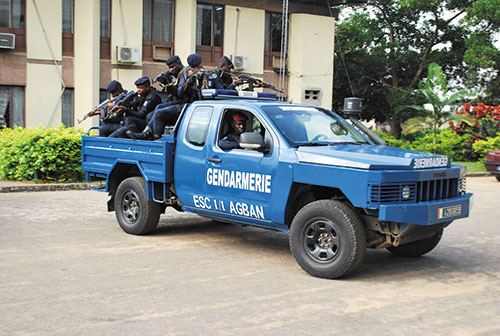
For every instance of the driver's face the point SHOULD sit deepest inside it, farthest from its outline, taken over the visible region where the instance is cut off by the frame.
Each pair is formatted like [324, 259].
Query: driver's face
[239, 126]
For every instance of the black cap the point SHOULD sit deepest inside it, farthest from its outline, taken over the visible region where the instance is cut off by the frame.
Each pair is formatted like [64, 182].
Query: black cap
[172, 59]
[143, 80]
[114, 86]
[228, 61]
[194, 60]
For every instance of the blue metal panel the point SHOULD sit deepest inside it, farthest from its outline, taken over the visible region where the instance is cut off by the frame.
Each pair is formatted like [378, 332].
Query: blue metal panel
[423, 213]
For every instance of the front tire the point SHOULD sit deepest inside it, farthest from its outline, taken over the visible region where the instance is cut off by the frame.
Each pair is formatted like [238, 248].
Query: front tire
[417, 248]
[327, 239]
[135, 213]
[497, 177]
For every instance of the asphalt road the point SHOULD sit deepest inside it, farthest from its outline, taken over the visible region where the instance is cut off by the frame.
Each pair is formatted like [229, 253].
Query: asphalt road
[67, 268]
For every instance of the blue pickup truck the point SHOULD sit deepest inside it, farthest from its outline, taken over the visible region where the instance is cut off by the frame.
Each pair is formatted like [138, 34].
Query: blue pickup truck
[299, 169]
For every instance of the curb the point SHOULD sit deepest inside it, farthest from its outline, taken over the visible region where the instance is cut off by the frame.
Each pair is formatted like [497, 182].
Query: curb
[46, 187]
[478, 174]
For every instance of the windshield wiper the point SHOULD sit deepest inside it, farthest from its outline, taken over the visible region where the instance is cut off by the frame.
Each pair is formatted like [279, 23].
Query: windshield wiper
[347, 143]
[312, 144]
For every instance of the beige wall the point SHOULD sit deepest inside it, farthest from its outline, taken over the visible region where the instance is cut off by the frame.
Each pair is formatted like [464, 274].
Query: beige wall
[86, 60]
[185, 28]
[51, 18]
[310, 58]
[43, 106]
[127, 77]
[249, 39]
[43, 77]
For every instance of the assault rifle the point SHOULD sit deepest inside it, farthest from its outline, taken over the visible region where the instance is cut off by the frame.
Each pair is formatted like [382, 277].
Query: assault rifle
[254, 82]
[99, 107]
[124, 102]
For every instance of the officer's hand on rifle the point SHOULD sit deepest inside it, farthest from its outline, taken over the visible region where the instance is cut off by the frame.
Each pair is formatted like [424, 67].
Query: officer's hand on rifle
[94, 112]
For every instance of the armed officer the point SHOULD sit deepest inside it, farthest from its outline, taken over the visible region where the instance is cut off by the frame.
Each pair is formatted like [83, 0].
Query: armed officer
[221, 78]
[139, 113]
[187, 88]
[108, 126]
[169, 80]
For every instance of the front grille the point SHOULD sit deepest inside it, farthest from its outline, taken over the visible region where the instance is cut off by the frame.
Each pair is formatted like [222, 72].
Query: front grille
[421, 191]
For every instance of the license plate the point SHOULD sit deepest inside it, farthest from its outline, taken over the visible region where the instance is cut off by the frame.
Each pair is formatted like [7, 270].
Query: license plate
[451, 211]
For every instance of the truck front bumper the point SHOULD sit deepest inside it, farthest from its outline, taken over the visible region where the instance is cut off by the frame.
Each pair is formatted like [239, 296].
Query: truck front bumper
[427, 213]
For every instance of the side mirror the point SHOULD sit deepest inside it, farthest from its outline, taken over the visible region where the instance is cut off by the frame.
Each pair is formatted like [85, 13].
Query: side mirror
[250, 140]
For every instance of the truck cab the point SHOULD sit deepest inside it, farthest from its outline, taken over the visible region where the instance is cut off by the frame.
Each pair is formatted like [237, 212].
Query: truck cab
[298, 169]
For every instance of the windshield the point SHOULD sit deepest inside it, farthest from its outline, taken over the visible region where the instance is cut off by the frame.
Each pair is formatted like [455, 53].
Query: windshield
[312, 126]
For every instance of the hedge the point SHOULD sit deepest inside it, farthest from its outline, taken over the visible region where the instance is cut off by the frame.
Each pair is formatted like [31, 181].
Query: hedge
[37, 153]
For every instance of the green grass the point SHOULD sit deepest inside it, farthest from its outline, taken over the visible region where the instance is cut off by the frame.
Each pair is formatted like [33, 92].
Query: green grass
[473, 167]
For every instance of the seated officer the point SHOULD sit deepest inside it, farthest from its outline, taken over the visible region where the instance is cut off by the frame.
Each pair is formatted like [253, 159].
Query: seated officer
[108, 126]
[187, 92]
[238, 126]
[137, 116]
[221, 78]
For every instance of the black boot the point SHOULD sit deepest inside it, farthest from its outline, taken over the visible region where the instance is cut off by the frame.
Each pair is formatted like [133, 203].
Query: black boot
[147, 134]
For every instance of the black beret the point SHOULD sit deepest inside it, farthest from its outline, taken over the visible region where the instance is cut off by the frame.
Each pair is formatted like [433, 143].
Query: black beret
[194, 60]
[143, 80]
[113, 86]
[228, 61]
[172, 59]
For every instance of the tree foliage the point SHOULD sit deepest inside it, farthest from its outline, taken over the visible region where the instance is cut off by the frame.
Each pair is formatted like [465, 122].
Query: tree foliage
[383, 49]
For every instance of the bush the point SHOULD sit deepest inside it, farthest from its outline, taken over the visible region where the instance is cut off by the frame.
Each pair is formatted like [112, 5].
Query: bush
[482, 147]
[48, 154]
[447, 143]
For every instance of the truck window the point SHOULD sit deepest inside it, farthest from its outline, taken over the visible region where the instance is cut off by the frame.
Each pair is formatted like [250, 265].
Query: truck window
[252, 124]
[198, 125]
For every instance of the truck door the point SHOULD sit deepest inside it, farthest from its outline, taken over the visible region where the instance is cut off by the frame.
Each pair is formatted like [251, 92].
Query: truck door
[190, 156]
[239, 183]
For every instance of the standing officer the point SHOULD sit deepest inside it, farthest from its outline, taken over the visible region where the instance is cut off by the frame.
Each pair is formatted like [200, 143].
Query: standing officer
[138, 115]
[187, 91]
[221, 77]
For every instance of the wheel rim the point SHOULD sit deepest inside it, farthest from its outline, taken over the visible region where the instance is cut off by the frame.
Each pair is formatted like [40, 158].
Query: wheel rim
[130, 207]
[321, 240]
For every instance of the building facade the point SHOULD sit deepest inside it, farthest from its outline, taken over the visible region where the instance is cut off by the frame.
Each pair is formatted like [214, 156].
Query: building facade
[66, 51]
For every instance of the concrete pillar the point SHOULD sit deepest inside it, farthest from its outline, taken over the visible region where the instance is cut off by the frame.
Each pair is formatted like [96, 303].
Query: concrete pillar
[185, 28]
[310, 58]
[244, 41]
[126, 30]
[44, 48]
[86, 60]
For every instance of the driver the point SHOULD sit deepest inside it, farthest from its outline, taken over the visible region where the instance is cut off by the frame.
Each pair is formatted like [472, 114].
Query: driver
[238, 126]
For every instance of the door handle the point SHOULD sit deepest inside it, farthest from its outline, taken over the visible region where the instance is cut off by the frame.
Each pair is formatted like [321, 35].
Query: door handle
[215, 160]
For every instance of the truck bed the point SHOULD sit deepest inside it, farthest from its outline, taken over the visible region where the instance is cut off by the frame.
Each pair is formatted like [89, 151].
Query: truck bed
[153, 158]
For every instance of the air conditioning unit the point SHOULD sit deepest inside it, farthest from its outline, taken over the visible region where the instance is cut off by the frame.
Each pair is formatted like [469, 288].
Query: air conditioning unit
[240, 62]
[7, 41]
[127, 54]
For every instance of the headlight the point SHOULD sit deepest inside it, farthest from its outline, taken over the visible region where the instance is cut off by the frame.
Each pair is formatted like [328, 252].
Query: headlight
[462, 185]
[406, 192]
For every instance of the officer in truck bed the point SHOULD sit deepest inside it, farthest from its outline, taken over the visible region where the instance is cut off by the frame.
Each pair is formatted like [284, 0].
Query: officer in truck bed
[138, 115]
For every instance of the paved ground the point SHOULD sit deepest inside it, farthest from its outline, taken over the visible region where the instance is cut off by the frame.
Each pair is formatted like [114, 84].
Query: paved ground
[67, 268]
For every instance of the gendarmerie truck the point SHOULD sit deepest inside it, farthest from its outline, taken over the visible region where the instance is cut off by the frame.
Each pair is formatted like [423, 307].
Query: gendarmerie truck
[300, 169]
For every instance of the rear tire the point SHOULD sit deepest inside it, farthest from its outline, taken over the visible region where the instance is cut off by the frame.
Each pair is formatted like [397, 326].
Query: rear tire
[134, 212]
[327, 239]
[417, 248]
[497, 177]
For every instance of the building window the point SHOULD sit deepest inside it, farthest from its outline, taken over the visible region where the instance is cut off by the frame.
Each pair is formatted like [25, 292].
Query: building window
[11, 106]
[12, 20]
[209, 32]
[272, 45]
[157, 30]
[105, 29]
[67, 107]
[67, 27]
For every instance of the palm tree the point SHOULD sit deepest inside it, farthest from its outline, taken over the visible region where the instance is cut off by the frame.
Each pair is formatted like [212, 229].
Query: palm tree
[437, 112]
